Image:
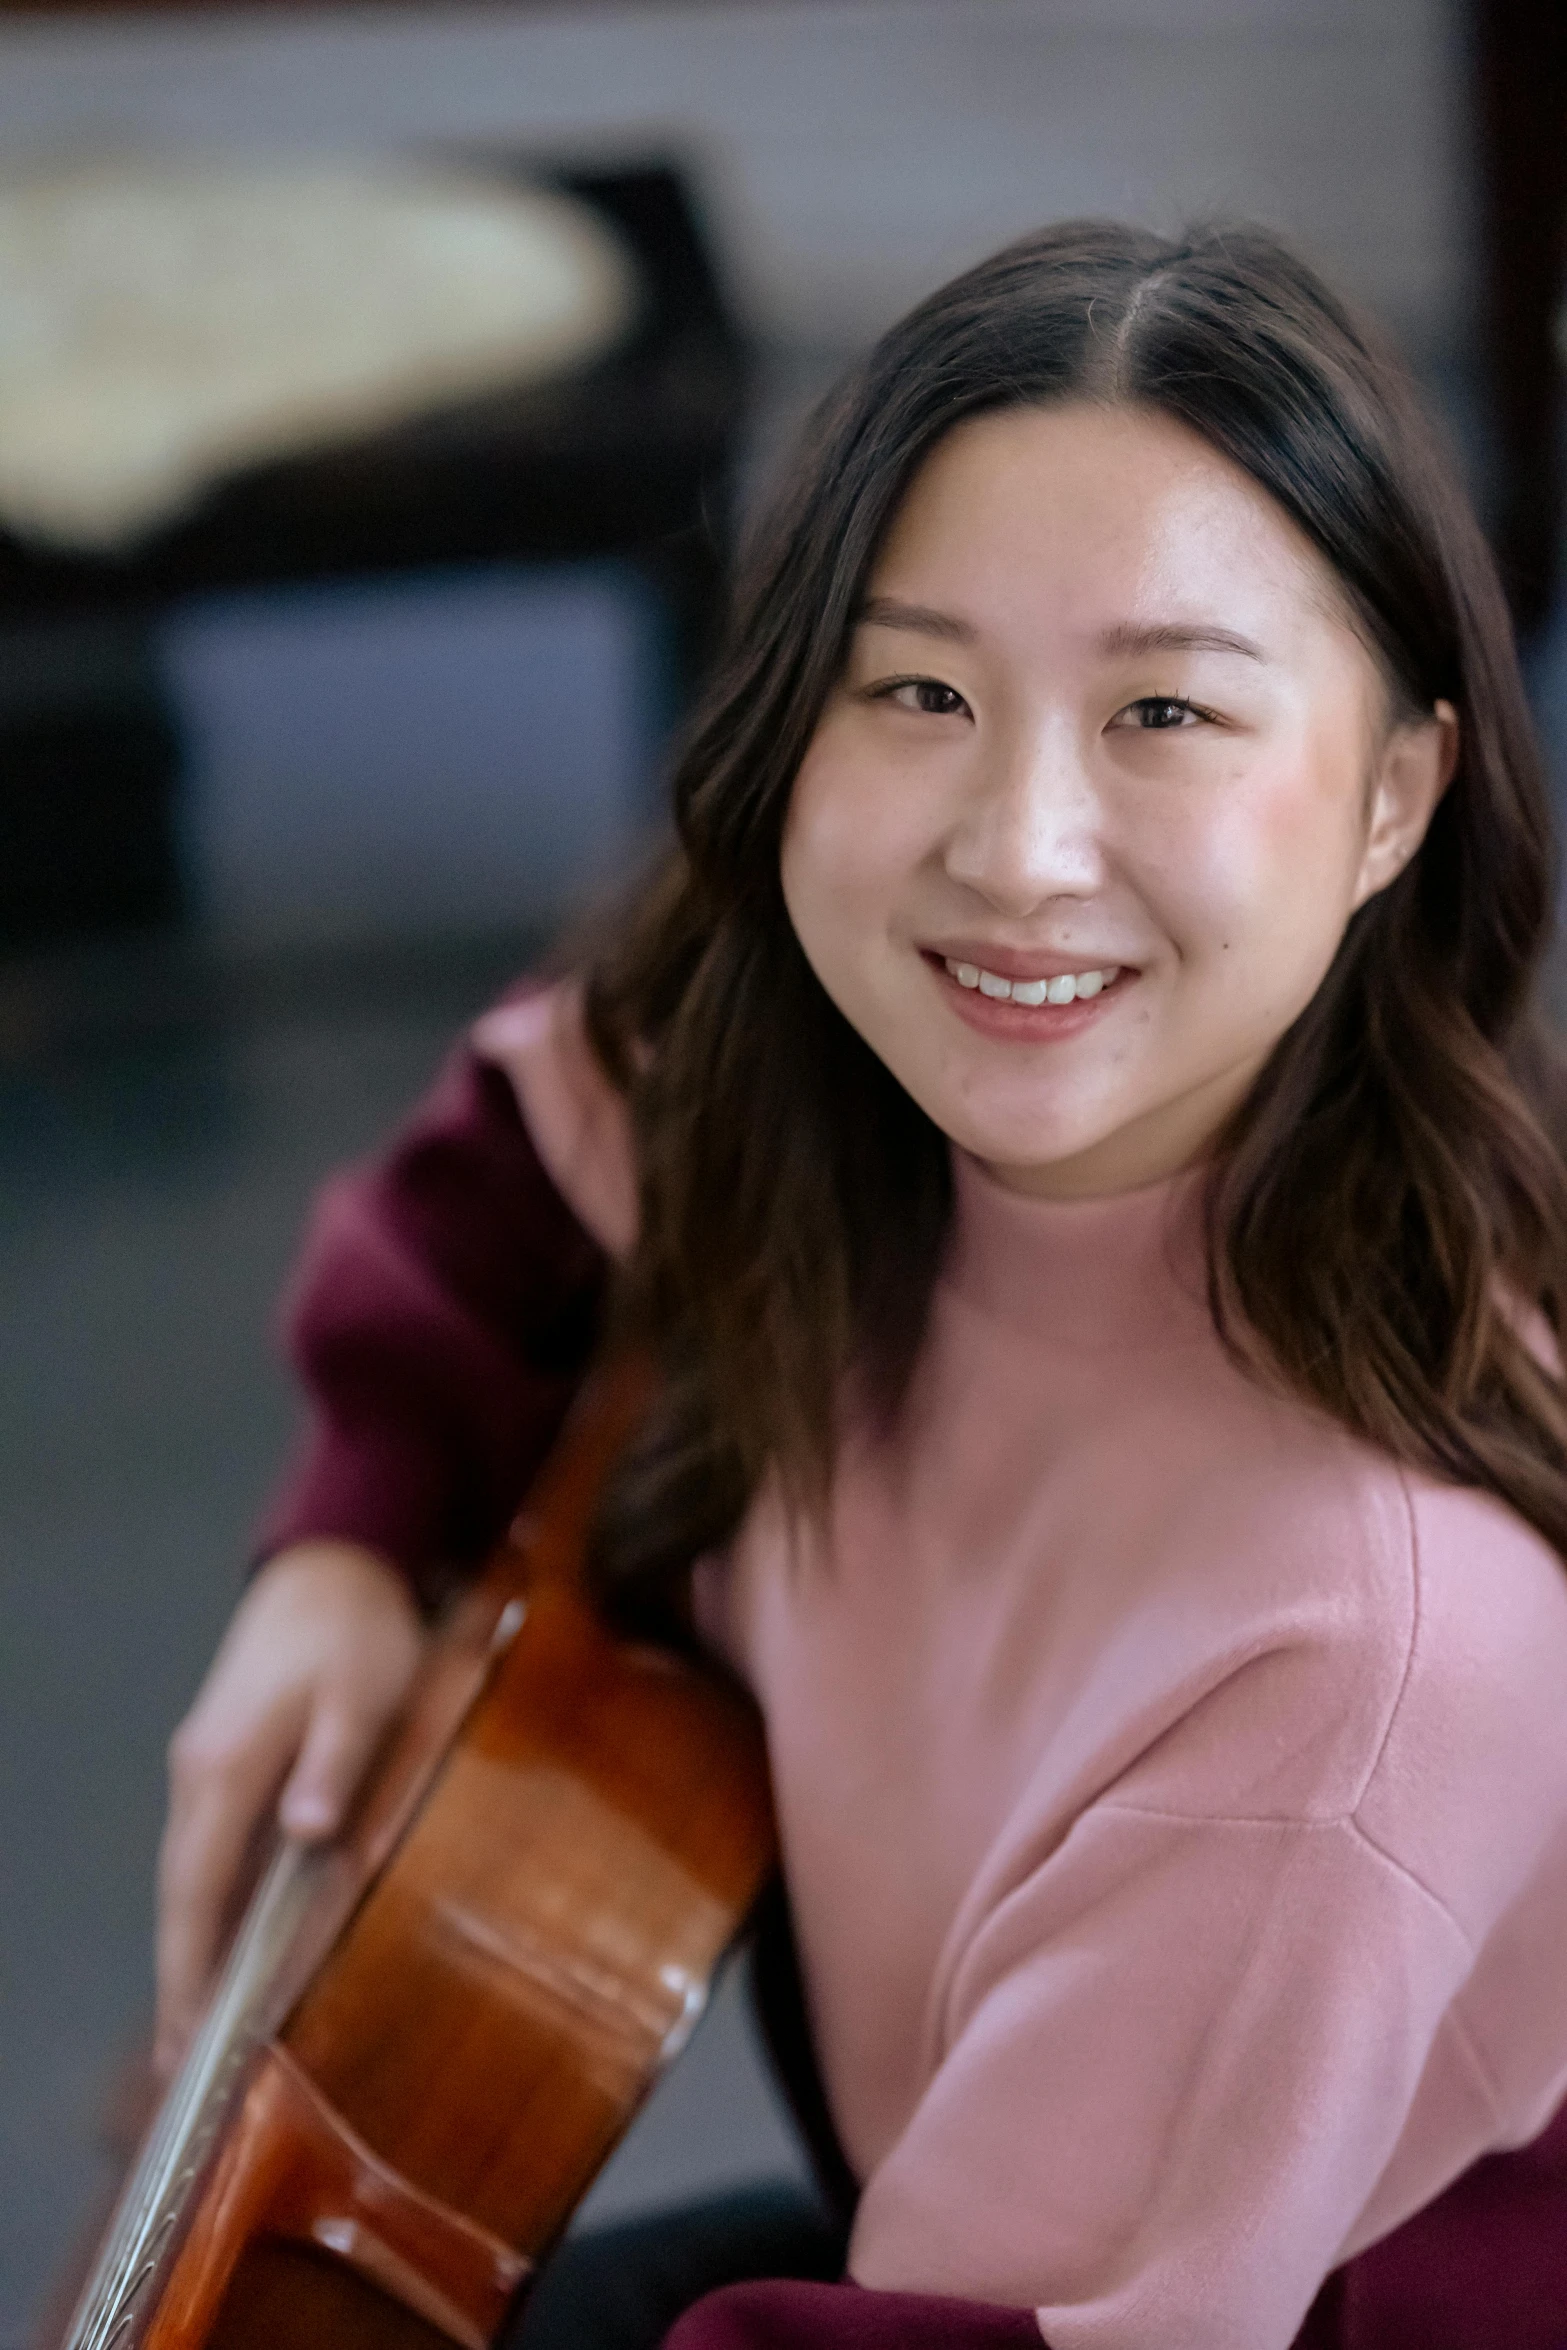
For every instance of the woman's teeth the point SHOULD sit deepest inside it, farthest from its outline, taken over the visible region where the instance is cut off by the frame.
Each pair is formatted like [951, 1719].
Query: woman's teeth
[1067, 989]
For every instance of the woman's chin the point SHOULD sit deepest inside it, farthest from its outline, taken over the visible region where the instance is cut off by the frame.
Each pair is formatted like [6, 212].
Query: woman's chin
[1028, 1161]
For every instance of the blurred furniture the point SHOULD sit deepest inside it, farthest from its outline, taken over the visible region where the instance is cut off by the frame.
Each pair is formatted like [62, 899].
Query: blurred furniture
[1520, 73]
[628, 458]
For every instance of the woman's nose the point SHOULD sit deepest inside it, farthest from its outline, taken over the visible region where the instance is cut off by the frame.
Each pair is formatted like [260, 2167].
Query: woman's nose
[1029, 827]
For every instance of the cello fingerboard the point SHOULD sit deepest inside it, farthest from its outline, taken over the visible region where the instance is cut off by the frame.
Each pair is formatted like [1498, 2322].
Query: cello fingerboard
[157, 2196]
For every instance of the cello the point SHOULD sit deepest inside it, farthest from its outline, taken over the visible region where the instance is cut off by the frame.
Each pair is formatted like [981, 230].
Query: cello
[429, 2035]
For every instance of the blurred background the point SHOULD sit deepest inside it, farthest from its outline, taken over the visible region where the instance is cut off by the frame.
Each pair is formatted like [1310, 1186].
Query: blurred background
[324, 703]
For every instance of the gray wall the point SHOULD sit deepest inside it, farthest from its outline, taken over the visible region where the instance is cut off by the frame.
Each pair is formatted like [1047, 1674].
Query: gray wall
[420, 756]
[856, 149]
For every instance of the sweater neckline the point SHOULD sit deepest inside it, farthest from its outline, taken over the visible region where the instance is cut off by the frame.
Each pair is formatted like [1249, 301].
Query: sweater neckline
[1124, 1271]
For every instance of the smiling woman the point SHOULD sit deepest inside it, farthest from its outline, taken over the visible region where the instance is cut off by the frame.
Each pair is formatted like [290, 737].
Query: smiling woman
[1152, 743]
[1068, 1121]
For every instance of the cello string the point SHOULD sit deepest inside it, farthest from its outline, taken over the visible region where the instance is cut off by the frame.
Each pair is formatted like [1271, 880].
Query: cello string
[172, 2159]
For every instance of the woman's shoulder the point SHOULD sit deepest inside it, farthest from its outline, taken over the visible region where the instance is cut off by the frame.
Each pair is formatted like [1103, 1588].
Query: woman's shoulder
[578, 1122]
[1423, 1668]
[1367, 1543]
[1487, 1582]
[1469, 1787]
[1329, 1626]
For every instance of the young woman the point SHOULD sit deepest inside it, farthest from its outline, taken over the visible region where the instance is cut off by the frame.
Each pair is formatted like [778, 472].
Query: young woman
[1069, 1117]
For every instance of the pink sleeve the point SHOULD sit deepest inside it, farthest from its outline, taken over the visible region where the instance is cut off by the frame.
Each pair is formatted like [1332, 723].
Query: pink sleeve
[1178, 2057]
[443, 1311]
[787, 2315]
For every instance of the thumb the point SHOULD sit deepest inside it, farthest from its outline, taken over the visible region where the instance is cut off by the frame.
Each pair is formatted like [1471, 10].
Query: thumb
[333, 1759]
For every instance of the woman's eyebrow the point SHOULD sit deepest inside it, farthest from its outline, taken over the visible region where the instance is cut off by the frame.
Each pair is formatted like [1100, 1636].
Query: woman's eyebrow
[1169, 636]
[918, 619]
[1177, 637]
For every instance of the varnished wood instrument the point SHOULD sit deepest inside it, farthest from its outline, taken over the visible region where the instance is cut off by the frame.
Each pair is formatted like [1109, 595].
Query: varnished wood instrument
[429, 2035]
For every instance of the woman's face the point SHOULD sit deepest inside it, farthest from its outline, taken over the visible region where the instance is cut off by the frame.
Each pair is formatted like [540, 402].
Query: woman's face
[1104, 721]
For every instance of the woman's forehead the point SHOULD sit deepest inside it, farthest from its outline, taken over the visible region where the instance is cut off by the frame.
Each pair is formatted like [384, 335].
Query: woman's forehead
[1114, 523]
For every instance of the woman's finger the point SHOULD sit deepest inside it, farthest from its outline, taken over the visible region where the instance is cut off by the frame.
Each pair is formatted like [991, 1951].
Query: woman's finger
[317, 1659]
[339, 1742]
[220, 1789]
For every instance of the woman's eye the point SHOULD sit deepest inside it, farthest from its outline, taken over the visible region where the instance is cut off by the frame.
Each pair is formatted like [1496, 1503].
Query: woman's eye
[927, 695]
[1158, 713]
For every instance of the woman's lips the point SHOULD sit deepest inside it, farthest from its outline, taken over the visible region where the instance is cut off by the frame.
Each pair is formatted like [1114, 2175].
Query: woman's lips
[1031, 996]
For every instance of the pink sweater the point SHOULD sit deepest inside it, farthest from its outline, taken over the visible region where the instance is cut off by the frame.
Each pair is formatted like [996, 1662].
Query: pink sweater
[1173, 1790]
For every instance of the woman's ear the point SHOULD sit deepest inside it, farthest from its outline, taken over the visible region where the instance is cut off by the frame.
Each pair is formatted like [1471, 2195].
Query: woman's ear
[1414, 768]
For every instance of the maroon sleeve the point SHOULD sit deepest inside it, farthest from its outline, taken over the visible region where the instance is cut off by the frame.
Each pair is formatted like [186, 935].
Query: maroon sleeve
[441, 1317]
[789, 2315]
[1484, 2264]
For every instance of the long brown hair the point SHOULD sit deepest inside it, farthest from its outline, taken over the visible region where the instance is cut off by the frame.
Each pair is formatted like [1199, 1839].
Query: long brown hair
[1387, 1211]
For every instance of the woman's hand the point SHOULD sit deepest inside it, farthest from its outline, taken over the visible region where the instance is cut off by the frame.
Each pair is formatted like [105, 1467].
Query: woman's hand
[315, 1664]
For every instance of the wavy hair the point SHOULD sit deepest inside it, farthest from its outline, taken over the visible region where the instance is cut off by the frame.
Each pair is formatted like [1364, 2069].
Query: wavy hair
[1387, 1211]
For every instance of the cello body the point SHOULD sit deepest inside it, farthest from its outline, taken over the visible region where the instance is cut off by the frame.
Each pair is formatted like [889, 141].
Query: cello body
[429, 2036]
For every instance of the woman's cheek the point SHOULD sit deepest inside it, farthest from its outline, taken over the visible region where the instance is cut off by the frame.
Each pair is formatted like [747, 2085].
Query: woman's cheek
[1261, 901]
[819, 886]
[854, 834]
[1262, 841]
